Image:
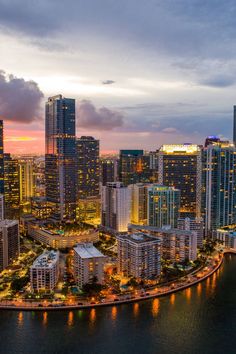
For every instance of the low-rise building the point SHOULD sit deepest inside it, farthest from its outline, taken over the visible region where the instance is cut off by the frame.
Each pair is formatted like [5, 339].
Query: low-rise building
[44, 272]
[226, 235]
[139, 255]
[57, 238]
[88, 264]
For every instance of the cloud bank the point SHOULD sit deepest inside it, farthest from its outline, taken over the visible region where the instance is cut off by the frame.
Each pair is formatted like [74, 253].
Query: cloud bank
[19, 99]
[88, 116]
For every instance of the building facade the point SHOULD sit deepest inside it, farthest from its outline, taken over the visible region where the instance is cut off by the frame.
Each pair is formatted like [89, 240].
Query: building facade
[180, 166]
[134, 167]
[163, 205]
[193, 224]
[9, 242]
[219, 186]
[139, 255]
[44, 273]
[27, 180]
[88, 176]
[60, 156]
[177, 245]
[11, 187]
[116, 204]
[88, 264]
[139, 203]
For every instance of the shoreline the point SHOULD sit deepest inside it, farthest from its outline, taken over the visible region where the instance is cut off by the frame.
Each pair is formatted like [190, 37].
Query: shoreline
[156, 294]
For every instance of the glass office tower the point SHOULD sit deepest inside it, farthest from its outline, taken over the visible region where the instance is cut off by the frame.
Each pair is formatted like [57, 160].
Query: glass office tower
[60, 156]
[88, 167]
[219, 186]
[180, 166]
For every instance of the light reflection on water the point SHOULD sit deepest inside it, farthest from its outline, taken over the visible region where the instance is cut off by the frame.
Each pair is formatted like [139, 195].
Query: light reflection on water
[155, 307]
[113, 313]
[136, 309]
[20, 318]
[70, 320]
[45, 318]
[172, 299]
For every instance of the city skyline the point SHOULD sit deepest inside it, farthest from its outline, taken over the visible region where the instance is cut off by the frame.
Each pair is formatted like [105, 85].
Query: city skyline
[130, 75]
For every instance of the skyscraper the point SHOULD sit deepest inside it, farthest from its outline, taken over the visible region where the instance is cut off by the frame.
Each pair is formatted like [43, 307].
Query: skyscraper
[139, 197]
[134, 167]
[9, 242]
[219, 186]
[88, 176]
[109, 171]
[60, 157]
[180, 166]
[11, 187]
[163, 205]
[116, 202]
[234, 127]
[27, 180]
[1, 159]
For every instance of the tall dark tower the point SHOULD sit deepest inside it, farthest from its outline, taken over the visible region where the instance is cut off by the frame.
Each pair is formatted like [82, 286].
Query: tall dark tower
[234, 127]
[60, 155]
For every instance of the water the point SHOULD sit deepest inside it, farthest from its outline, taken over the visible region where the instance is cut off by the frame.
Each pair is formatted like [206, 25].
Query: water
[201, 319]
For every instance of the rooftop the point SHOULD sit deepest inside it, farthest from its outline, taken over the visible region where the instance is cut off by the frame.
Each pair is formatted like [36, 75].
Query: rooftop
[165, 229]
[139, 237]
[87, 250]
[46, 259]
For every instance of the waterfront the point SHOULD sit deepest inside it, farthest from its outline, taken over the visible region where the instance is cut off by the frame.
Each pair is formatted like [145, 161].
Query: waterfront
[200, 319]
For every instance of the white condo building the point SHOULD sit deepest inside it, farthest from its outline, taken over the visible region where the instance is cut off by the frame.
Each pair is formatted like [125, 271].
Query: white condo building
[88, 264]
[44, 272]
[116, 205]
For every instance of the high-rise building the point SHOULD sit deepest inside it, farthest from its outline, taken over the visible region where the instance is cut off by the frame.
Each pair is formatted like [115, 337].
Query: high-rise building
[234, 127]
[1, 159]
[116, 204]
[88, 167]
[88, 264]
[219, 186]
[9, 242]
[1, 207]
[44, 272]
[163, 205]
[193, 224]
[60, 156]
[11, 187]
[134, 167]
[27, 179]
[139, 205]
[177, 245]
[180, 166]
[139, 255]
[212, 139]
[109, 170]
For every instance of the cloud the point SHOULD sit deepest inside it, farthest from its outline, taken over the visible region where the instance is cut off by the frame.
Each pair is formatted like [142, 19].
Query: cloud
[98, 118]
[219, 81]
[108, 82]
[19, 99]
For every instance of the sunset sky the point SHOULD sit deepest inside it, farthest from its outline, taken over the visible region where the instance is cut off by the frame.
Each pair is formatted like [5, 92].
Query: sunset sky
[143, 73]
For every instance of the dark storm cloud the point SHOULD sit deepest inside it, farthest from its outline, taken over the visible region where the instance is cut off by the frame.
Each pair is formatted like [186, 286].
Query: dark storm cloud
[88, 116]
[19, 99]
